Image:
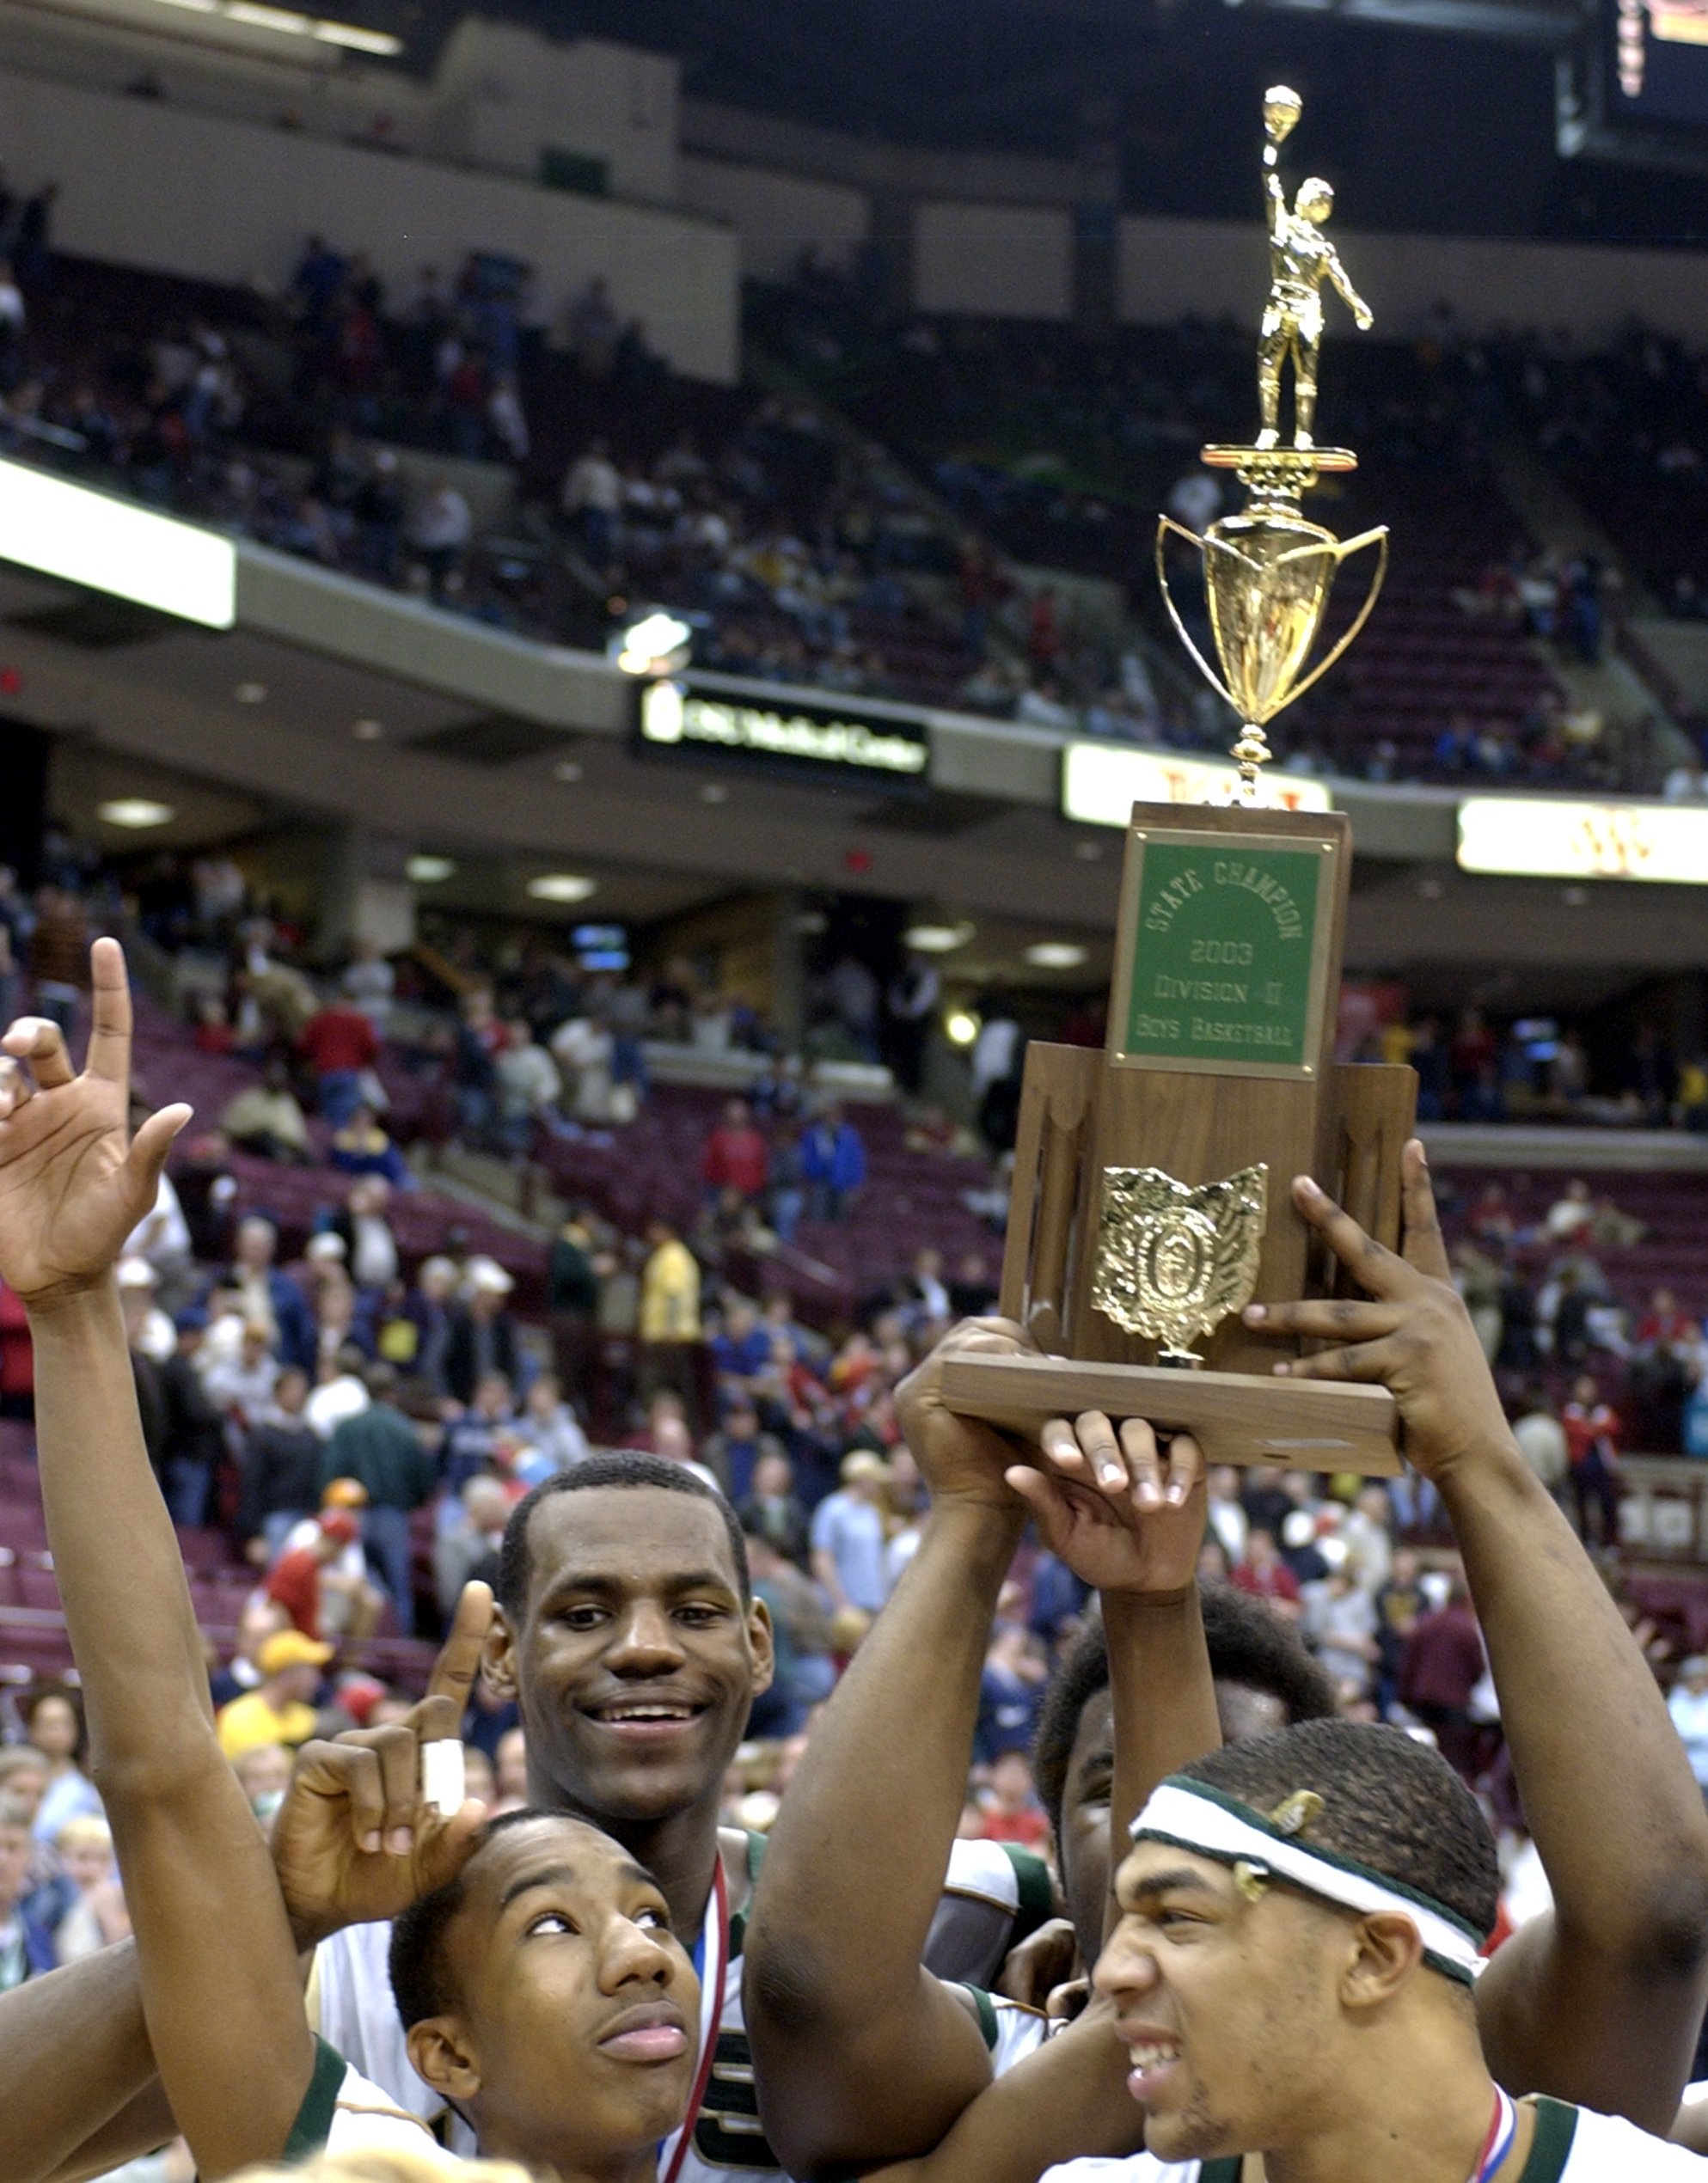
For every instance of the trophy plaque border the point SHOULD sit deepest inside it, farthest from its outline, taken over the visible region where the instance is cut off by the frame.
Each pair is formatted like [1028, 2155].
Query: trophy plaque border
[1289, 832]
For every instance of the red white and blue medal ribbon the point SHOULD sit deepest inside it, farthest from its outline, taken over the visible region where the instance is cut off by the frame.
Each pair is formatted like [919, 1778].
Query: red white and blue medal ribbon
[1502, 2128]
[711, 1966]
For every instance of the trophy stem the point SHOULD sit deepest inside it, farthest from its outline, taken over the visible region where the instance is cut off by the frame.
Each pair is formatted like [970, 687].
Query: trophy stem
[1251, 752]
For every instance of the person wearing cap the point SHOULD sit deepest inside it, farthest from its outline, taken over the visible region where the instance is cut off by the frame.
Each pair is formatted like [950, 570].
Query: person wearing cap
[242, 1387]
[381, 1451]
[350, 1601]
[1688, 1707]
[278, 1470]
[152, 1330]
[848, 1535]
[483, 1337]
[279, 1711]
[295, 1579]
[161, 1237]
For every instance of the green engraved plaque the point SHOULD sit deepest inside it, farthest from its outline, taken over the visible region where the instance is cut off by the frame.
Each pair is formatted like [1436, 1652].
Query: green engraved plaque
[1223, 954]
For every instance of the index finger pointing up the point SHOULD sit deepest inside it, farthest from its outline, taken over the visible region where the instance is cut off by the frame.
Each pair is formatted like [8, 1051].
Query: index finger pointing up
[459, 1659]
[109, 1038]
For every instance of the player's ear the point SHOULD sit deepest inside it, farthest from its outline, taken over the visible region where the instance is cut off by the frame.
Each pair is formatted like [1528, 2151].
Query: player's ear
[497, 1661]
[442, 2057]
[1385, 1952]
[762, 1642]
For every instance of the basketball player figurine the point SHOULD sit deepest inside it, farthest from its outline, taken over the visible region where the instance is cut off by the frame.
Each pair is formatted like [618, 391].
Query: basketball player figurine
[1300, 257]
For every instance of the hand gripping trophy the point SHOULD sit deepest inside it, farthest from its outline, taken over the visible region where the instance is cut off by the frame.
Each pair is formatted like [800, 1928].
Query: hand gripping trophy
[1267, 572]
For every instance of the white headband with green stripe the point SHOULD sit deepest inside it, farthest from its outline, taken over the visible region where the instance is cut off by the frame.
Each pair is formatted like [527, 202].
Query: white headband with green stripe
[1192, 1816]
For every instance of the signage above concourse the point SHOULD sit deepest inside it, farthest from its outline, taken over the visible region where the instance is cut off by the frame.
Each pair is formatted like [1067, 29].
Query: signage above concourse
[1560, 838]
[1101, 781]
[131, 553]
[755, 726]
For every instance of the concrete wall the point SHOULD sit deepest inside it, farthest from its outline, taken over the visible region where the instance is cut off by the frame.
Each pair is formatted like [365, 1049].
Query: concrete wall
[139, 182]
[776, 216]
[1681, 647]
[1216, 268]
[994, 260]
[505, 94]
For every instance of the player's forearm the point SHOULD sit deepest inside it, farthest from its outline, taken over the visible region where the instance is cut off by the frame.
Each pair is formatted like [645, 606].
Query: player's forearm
[1608, 1796]
[121, 1580]
[848, 1892]
[1162, 1697]
[1066, 2100]
[74, 2050]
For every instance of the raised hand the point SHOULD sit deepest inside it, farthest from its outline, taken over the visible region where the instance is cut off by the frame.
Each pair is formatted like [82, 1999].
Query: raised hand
[1123, 1514]
[959, 1458]
[1415, 1337]
[354, 1839]
[73, 1182]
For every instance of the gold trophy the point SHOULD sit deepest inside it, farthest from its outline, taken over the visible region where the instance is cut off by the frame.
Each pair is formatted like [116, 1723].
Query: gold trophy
[1149, 1202]
[1267, 572]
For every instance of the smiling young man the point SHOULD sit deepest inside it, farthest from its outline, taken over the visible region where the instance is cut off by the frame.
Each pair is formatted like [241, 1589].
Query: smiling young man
[1301, 1918]
[626, 1631]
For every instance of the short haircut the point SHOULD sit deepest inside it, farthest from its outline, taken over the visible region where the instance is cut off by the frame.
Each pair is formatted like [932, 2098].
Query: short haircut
[1389, 1802]
[14, 1815]
[421, 1983]
[628, 1469]
[1248, 1643]
[22, 1758]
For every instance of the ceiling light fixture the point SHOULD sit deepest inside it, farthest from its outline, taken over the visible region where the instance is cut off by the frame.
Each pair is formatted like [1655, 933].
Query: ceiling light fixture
[1056, 955]
[938, 939]
[567, 769]
[287, 22]
[135, 811]
[359, 40]
[962, 1027]
[714, 793]
[426, 871]
[259, 18]
[653, 645]
[367, 730]
[250, 693]
[561, 886]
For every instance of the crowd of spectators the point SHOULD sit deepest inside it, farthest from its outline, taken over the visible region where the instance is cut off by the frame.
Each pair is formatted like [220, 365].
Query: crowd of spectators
[357, 1424]
[798, 550]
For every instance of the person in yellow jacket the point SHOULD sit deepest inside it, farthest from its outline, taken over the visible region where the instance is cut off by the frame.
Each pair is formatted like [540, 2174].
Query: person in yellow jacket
[670, 1326]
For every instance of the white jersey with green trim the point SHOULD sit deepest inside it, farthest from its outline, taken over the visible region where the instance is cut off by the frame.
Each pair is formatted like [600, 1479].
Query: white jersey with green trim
[1570, 2145]
[352, 2007]
[342, 2113]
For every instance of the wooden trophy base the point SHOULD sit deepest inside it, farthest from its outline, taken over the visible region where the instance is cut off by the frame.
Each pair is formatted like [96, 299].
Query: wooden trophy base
[1234, 1416]
[1151, 1195]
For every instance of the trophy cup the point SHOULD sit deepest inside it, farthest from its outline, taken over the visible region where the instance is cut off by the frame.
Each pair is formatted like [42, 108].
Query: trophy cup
[1267, 572]
[1150, 1200]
